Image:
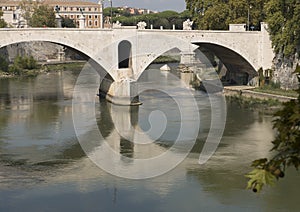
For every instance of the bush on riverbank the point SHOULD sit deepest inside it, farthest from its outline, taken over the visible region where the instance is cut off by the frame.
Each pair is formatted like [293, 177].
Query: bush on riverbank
[27, 66]
[166, 59]
[3, 64]
[23, 64]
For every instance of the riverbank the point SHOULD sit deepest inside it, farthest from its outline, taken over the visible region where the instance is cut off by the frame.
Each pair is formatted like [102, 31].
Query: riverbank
[248, 97]
[166, 59]
[252, 92]
[45, 68]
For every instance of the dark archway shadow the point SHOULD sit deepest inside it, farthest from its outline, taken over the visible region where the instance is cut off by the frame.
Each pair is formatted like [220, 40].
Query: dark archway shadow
[232, 68]
[124, 54]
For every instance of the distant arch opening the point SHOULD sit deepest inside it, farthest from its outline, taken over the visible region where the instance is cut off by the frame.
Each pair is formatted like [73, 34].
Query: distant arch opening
[232, 68]
[124, 54]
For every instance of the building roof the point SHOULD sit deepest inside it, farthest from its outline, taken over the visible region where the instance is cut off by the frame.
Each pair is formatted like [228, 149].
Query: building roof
[52, 2]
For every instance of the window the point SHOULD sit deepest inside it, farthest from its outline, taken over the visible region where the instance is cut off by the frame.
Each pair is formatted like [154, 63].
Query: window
[96, 23]
[96, 16]
[90, 17]
[72, 16]
[90, 23]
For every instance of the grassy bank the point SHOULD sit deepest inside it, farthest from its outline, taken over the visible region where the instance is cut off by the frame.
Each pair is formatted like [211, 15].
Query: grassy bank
[166, 59]
[267, 105]
[276, 91]
[43, 68]
[63, 66]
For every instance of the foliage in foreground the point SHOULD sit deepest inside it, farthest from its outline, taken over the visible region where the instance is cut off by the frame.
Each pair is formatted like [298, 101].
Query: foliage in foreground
[286, 146]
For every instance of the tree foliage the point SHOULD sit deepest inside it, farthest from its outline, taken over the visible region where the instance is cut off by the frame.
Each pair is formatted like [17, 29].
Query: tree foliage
[37, 15]
[218, 14]
[3, 64]
[22, 63]
[283, 18]
[165, 19]
[43, 16]
[67, 22]
[286, 146]
[3, 24]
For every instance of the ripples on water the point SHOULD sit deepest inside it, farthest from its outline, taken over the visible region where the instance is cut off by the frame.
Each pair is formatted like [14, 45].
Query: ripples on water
[43, 168]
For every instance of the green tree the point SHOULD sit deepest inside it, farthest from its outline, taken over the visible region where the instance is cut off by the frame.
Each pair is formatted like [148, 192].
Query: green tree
[218, 14]
[37, 14]
[283, 20]
[3, 24]
[166, 19]
[23, 63]
[3, 64]
[67, 22]
[28, 7]
[43, 16]
[286, 146]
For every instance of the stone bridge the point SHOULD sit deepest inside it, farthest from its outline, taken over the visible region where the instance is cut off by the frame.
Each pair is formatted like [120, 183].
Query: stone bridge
[122, 54]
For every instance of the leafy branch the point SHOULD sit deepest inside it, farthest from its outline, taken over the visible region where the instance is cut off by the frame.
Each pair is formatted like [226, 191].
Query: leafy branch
[286, 145]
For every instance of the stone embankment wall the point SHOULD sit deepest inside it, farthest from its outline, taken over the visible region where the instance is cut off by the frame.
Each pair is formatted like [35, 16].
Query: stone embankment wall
[284, 68]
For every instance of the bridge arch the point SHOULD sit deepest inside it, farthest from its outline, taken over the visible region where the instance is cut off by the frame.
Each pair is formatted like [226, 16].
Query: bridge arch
[97, 61]
[238, 69]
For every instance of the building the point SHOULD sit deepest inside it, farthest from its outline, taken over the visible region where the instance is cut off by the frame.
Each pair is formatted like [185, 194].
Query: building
[73, 9]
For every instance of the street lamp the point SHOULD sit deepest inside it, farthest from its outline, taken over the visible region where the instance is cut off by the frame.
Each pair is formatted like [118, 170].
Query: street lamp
[248, 27]
[111, 24]
[102, 13]
[102, 3]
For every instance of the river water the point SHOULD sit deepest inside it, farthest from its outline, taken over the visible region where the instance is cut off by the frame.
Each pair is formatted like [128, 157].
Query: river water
[43, 166]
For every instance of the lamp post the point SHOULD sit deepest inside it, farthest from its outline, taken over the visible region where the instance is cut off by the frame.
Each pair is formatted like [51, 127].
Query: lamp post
[111, 24]
[102, 13]
[248, 24]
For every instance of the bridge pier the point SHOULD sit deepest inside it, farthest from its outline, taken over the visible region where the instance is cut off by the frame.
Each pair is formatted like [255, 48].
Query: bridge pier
[187, 61]
[124, 92]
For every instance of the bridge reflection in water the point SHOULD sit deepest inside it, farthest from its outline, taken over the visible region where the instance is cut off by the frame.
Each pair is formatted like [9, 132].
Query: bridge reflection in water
[41, 160]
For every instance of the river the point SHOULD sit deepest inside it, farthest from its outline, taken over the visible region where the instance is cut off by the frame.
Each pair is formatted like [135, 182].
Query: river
[44, 168]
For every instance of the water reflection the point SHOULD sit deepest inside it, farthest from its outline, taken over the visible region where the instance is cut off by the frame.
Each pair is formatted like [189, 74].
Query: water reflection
[41, 159]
